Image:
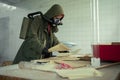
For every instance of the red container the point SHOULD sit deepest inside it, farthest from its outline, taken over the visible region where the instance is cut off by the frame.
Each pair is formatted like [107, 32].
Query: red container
[107, 52]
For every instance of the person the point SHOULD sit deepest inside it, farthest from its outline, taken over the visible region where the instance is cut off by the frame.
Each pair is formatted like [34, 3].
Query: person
[41, 36]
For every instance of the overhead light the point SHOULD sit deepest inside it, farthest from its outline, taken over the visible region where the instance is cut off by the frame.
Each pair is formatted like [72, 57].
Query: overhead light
[8, 6]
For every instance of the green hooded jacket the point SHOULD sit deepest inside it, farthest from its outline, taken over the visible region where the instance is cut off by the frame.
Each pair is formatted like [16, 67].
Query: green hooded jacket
[37, 37]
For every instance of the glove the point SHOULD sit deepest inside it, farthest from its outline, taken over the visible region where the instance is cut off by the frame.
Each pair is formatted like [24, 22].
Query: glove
[46, 53]
[45, 50]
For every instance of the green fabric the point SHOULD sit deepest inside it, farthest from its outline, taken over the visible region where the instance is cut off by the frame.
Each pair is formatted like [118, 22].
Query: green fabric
[37, 38]
[54, 11]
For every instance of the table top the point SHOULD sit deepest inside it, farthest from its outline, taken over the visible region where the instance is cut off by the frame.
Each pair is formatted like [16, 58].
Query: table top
[110, 73]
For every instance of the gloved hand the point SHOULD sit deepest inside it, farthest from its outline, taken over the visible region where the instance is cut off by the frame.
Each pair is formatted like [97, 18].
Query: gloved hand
[45, 50]
[46, 53]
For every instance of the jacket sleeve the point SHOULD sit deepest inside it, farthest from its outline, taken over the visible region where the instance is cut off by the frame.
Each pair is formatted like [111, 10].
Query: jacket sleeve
[55, 40]
[36, 44]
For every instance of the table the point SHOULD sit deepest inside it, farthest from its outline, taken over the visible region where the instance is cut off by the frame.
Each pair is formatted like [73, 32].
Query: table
[110, 73]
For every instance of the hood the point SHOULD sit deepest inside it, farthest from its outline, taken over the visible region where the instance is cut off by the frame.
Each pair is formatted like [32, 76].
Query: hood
[54, 11]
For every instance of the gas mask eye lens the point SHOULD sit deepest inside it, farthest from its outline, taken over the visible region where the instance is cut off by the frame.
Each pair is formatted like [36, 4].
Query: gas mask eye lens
[57, 21]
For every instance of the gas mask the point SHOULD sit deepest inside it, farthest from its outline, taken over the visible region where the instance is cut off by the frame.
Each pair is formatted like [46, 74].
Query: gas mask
[56, 22]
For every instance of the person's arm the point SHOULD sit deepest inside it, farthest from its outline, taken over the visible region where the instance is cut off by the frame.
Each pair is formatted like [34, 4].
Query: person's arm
[55, 40]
